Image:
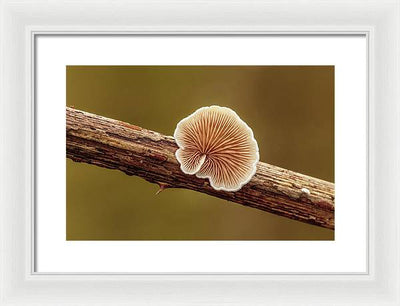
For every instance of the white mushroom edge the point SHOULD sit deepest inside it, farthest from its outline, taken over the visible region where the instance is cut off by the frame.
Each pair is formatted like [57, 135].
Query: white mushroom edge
[243, 124]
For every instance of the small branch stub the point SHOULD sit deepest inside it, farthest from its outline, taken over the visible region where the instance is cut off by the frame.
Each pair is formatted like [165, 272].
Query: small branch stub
[162, 186]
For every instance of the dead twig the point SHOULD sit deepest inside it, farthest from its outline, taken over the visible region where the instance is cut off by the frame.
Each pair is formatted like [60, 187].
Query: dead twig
[136, 151]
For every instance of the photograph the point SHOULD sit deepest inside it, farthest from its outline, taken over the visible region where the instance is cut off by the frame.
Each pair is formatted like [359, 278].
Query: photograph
[200, 152]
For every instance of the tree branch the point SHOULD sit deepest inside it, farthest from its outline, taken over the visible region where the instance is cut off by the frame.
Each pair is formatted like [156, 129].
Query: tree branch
[136, 151]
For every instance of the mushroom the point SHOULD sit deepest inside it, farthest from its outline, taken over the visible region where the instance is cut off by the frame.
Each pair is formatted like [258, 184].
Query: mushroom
[215, 143]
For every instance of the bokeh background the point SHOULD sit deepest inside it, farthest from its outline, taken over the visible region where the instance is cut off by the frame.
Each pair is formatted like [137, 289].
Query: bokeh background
[289, 108]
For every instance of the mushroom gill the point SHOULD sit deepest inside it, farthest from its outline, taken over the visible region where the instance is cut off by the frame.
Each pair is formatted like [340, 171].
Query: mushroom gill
[215, 143]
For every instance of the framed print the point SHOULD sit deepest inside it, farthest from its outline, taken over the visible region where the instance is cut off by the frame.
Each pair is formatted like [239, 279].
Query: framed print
[198, 152]
[147, 224]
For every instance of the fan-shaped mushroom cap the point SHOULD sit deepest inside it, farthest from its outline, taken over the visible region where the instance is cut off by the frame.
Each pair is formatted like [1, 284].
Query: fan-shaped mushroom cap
[215, 143]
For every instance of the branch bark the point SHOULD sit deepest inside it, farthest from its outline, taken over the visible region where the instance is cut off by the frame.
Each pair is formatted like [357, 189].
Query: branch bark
[133, 150]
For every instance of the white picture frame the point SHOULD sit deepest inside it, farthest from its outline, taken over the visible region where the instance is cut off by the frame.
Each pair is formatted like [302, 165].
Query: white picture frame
[378, 20]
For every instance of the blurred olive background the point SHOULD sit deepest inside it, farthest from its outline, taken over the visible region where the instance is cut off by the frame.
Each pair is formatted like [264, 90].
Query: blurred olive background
[289, 108]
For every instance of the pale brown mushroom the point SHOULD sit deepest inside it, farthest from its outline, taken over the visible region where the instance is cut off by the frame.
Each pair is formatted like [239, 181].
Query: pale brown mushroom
[215, 143]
